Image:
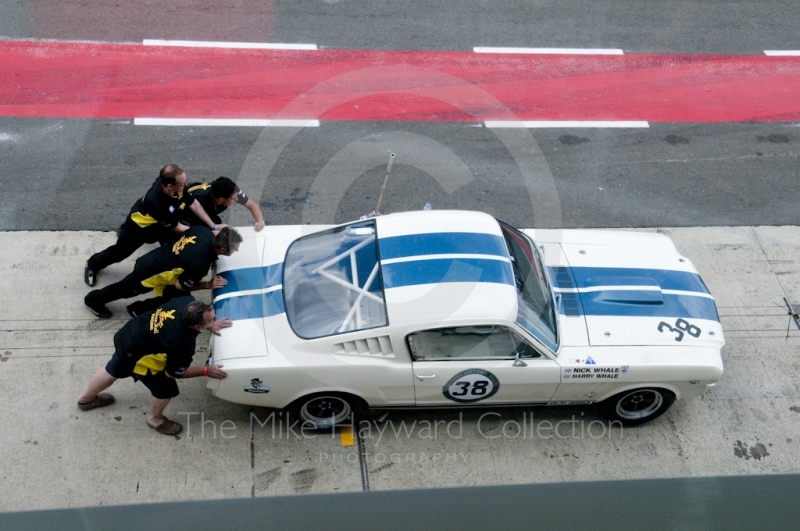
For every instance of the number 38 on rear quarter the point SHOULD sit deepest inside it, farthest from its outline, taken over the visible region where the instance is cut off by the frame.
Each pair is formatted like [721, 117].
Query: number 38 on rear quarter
[436, 309]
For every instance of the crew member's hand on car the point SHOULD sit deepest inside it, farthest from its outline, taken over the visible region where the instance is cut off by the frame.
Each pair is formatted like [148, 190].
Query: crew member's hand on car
[215, 371]
[217, 282]
[219, 324]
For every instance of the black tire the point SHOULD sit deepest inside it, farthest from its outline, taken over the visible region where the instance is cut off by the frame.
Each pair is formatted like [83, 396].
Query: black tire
[637, 406]
[324, 411]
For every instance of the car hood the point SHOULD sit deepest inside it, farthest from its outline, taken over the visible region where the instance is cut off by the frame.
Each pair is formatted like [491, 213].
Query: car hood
[627, 288]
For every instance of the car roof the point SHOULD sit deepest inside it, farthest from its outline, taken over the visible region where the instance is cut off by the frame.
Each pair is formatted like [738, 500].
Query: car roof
[445, 266]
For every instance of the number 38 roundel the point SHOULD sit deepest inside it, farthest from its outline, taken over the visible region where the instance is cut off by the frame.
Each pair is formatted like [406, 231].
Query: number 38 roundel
[471, 385]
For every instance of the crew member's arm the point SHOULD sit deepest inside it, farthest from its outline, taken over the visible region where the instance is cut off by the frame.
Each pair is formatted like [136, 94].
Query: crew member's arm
[211, 371]
[181, 370]
[215, 283]
[256, 212]
[197, 208]
[180, 228]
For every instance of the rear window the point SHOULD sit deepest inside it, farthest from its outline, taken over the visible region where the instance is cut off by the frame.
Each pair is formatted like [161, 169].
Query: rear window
[332, 282]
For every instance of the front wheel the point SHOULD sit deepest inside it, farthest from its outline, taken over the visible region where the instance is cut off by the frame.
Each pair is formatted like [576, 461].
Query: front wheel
[637, 406]
[326, 410]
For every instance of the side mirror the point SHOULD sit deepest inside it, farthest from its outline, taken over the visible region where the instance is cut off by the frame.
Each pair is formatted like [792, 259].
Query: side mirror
[518, 362]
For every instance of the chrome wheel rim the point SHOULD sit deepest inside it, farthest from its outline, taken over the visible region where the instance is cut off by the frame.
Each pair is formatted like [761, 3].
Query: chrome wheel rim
[639, 404]
[325, 411]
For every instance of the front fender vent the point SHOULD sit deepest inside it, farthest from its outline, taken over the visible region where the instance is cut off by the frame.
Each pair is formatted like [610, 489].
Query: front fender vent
[371, 346]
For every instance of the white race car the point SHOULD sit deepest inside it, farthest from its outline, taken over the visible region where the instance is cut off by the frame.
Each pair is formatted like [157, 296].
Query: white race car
[452, 309]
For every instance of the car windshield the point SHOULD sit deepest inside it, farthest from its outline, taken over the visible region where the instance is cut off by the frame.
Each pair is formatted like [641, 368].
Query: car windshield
[536, 308]
[332, 282]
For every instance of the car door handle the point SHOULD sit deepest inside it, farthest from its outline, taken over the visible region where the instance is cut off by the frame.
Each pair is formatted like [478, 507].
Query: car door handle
[424, 377]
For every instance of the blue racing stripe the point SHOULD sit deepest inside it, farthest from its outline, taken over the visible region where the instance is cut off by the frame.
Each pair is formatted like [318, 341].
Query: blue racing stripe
[685, 306]
[442, 243]
[250, 306]
[446, 270]
[667, 279]
[251, 278]
[624, 302]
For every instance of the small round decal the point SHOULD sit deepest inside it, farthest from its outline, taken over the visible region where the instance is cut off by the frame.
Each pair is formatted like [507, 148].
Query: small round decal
[471, 385]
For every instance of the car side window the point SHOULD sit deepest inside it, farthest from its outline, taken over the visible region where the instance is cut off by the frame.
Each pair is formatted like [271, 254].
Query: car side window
[468, 342]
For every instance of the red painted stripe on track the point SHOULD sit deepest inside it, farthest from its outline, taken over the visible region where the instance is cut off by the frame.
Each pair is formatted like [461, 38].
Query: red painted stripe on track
[77, 80]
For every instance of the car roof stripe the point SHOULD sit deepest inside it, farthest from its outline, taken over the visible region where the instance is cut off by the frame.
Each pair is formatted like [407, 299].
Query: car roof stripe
[441, 243]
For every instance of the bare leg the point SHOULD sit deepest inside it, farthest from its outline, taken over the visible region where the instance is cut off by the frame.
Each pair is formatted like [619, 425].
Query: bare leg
[157, 407]
[100, 381]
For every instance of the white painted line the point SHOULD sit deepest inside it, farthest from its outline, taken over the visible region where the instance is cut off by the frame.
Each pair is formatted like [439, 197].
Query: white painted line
[564, 51]
[248, 292]
[224, 122]
[564, 123]
[686, 293]
[782, 52]
[210, 44]
[464, 256]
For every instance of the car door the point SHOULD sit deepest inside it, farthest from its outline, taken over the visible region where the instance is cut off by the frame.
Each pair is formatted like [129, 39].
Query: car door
[476, 364]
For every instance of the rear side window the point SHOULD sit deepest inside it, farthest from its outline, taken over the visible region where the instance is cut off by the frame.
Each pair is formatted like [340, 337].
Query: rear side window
[332, 282]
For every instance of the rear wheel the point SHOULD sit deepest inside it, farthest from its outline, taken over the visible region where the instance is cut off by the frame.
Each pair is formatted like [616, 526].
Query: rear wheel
[637, 406]
[327, 410]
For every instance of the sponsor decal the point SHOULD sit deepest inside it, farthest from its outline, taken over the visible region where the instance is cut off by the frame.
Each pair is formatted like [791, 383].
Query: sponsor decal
[594, 373]
[590, 361]
[256, 386]
[471, 385]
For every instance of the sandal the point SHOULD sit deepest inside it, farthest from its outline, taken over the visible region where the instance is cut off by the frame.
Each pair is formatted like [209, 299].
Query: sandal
[101, 400]
[168, 427]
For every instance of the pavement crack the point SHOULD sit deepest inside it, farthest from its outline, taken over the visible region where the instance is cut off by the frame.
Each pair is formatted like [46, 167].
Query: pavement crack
[362, 461]
[252, 455]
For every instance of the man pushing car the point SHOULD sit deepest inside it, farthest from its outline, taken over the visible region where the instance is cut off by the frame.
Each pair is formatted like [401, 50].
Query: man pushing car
[169, 271]
[156, 348]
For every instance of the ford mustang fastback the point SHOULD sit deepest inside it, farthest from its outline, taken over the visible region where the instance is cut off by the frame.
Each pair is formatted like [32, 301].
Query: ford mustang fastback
[442, 308]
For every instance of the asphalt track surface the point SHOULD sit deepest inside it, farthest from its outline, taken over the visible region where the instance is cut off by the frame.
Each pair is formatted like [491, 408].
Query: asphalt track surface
[721, 147]
[85, 174]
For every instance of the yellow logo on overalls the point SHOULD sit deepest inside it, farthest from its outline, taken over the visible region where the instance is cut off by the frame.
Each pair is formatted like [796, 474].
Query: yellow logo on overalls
[201, 186]
[183, 242]
[158, 318]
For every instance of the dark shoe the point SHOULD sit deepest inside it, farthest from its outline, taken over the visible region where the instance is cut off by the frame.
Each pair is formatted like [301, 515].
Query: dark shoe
[168, 427]
[131, 311]
[99, 310]
[89, 275]
[101, 400]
